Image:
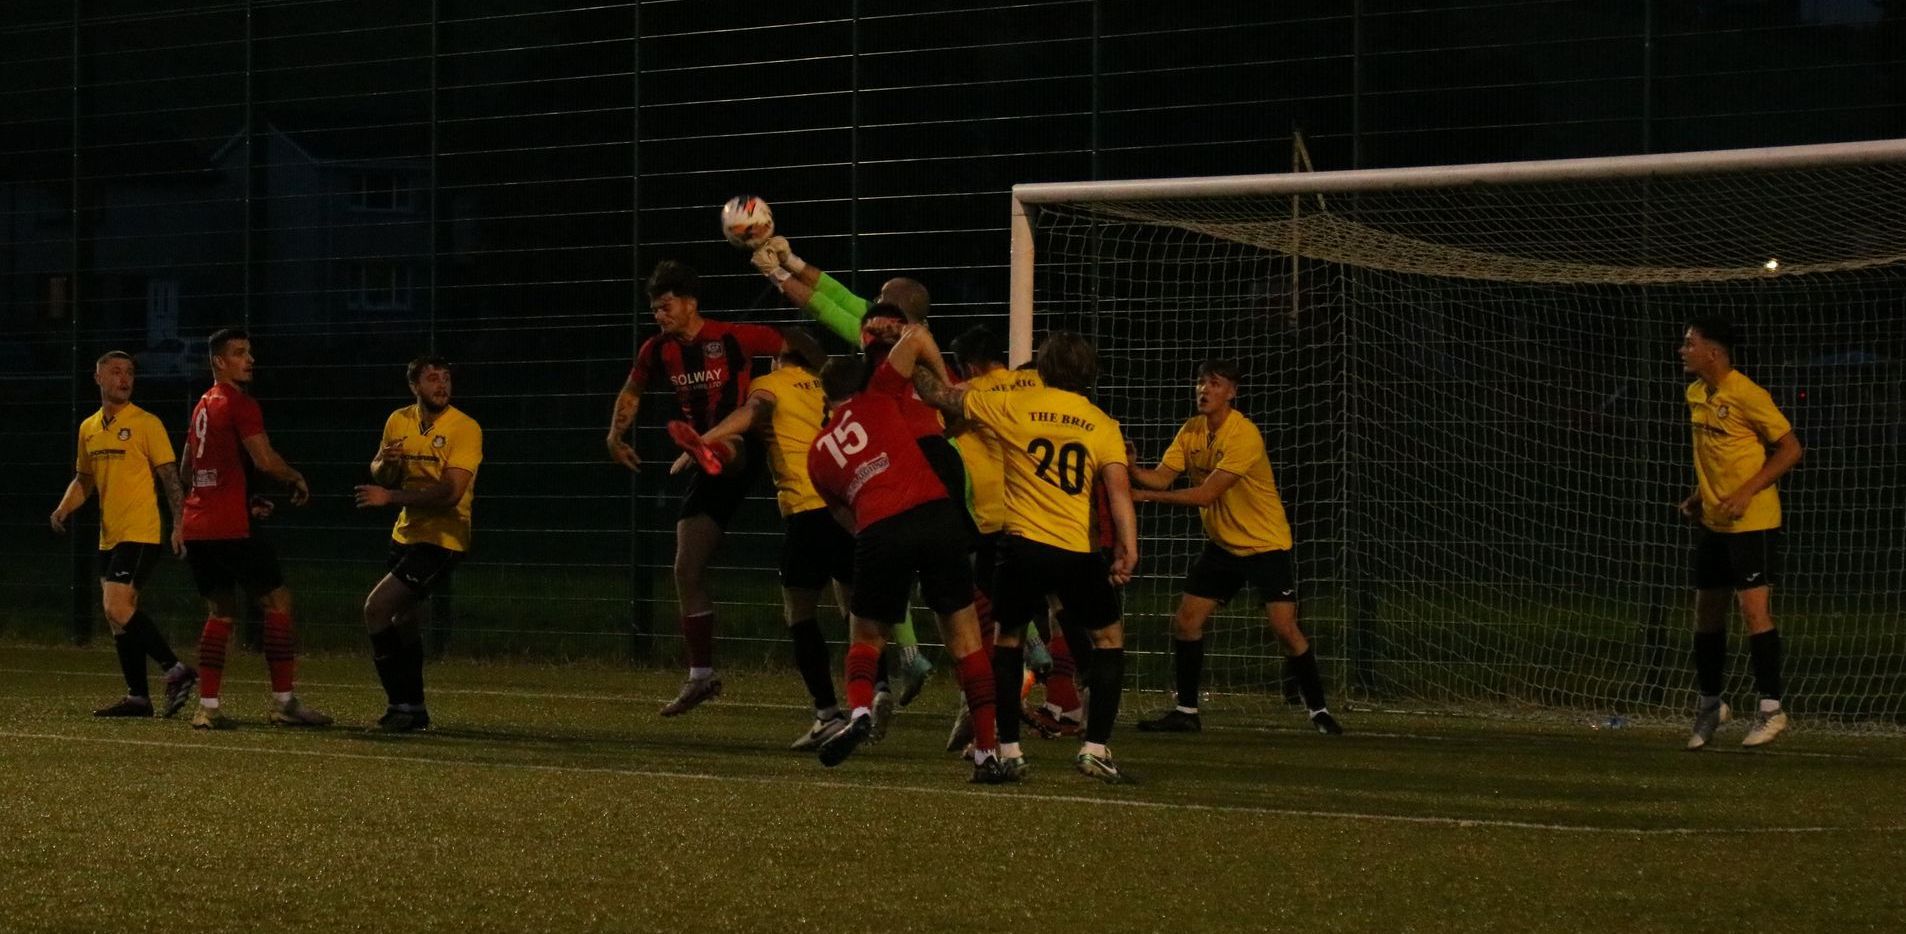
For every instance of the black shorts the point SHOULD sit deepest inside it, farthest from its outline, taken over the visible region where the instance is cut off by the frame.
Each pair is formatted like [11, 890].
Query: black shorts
[1219, 575]
[220, 564]
[816, 550]
[718, 497]
[129, 563]
[1030, 571]
[986, 562]
[927, 540]
[1735, 560]
[422, 566]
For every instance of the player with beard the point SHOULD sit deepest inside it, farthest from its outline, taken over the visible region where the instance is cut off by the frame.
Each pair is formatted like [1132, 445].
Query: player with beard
[427, 465]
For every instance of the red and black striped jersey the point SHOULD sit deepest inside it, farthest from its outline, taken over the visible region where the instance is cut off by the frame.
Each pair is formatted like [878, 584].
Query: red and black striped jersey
[708, 372]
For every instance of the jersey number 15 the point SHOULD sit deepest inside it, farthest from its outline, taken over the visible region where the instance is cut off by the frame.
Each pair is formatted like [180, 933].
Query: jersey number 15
[846, 438]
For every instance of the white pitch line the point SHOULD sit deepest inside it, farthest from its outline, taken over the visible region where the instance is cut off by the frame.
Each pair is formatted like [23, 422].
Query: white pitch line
[1019, 796]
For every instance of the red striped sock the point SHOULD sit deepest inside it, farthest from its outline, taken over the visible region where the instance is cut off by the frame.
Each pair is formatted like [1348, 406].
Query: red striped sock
[698, 636]
[280, 652]
[976, 682]
[1062, 686]
[862, 661]
[212, 655]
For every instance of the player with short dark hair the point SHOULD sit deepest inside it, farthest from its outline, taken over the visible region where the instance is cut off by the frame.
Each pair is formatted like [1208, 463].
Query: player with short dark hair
[1248, 541]
[787, 408]
[707, 365]
[426, 463]
[224, 444]
[981, 358]
[1058, 448]
[123, 449]
[868, 465]
[1736, 551]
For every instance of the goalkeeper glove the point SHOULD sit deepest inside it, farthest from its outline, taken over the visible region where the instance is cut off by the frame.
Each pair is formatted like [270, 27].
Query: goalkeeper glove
[782, 249]
[768, 263]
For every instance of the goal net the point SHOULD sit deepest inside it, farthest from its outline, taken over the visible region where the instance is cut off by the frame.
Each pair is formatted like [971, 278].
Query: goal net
[1467, 382]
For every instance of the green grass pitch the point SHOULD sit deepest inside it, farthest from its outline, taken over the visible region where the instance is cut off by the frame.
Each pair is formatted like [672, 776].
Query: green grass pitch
[553, 798]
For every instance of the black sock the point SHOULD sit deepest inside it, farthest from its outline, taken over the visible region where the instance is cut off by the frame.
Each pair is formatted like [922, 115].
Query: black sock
[132, 664]
[1187, 660]
[1079, 642]
[387, 646]
[811, 657]
[1106, 680]
[413, 662]
[1009, 664]
[1309, 683]
[1764, 651]
[1710, 662]
[151, 640]
[880, 669]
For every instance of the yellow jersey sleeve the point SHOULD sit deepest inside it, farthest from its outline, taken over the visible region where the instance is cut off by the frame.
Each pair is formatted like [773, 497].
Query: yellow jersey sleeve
[1760, 413]
[1174, 459]
[464, 451]
[82, 463]
[1242, 451]
[157, 443]
[799, 409]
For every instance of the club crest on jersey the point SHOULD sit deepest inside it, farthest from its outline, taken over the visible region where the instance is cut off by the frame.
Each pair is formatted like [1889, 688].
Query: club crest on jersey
[714, 349]
[437, 442]
[125, 434]
[1721, 412]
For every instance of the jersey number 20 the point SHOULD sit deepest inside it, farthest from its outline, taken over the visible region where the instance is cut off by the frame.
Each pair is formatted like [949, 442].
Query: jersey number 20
[1069, 473]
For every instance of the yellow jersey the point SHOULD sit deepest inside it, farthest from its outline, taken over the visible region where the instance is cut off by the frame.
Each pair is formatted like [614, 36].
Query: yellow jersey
[450, 439]
[980, 449]
[1733, 424]
[799, 409]
[1054, 443]
[1249, 518]
[119, 454]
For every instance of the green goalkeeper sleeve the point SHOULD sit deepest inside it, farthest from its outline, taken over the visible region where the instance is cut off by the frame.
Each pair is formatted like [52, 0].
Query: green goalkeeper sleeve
[837, 309]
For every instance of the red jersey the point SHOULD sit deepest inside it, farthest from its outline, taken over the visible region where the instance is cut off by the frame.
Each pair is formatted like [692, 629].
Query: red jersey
[217, 504]
[868, 458]
[709, 373]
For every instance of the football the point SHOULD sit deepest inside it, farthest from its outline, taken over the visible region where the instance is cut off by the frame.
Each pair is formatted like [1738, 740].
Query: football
[747, 221]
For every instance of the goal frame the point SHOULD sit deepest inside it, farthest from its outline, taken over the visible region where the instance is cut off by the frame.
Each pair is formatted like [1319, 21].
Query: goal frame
[1027, 196]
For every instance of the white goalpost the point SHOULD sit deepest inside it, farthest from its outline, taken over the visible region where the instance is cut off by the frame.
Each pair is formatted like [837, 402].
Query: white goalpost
[1467, 384]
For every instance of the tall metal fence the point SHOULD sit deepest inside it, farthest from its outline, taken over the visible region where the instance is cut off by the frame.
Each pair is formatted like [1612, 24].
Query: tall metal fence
[357, 181]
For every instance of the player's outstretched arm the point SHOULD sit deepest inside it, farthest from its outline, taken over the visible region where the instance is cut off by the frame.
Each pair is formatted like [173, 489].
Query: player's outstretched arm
[811, 289]
[77, 493]
[621, 419]
[917, 356]
[1158, 478]
[266, 459]
[445, 492]
[1118, 493]
[753, 414]
[1200, 496]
